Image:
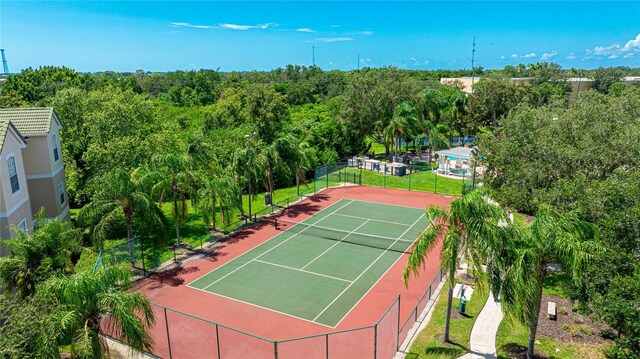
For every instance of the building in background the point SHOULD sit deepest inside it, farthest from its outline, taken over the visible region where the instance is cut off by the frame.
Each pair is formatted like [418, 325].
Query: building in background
[31, 168]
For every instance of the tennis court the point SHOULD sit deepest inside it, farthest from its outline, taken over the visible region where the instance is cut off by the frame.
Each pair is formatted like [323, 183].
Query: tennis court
[320, 268]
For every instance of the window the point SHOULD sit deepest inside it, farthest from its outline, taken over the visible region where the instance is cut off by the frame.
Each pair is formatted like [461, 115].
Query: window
[54, 145]
[61, 191]
[23, 224]
[13, 174]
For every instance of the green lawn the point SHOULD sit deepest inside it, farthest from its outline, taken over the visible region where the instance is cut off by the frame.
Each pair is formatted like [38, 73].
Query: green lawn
[428, 343]
[421, 180]
[512, 334]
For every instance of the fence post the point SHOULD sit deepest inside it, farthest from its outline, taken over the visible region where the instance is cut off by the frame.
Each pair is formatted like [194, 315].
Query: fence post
[144, 270]
[375, 341]
[435, 183]
[385, 176]
[275, 349]
[409, 177]
[166, 324]
[398, 331]
[326, 345]
[327, 176]
[217, 340]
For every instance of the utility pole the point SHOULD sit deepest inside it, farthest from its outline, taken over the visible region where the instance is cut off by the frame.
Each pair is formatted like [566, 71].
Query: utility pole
[473, 61]
[313, 51]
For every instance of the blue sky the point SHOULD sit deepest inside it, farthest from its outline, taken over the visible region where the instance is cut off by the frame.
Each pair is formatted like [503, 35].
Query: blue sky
[182, 35]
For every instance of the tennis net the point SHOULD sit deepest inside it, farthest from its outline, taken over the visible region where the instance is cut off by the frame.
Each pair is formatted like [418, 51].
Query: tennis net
[351, 237]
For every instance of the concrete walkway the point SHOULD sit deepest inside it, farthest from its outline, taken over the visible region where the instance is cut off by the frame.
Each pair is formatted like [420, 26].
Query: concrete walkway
[483, 334]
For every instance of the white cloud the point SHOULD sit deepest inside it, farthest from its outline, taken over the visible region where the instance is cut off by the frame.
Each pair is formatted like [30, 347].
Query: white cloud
[247, 27]
[614, 51]
[571, 56]
[529, 55]
[502, 57]
[186, 24]
[548, 55]
[514, 56]
[305, 29]
[333, 39]
[365, 33]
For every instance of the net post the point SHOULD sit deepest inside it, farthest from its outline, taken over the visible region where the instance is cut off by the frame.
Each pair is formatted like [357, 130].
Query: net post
[275, 349]
[375, 341]
[166, 324]
[217, 341]
[326, 345]
[398, 331]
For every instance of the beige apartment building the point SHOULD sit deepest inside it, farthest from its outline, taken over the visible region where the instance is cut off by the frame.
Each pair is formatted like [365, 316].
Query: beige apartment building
[31, 168]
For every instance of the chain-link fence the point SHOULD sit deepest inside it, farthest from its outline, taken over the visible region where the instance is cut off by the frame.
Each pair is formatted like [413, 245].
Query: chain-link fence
[409, 177]
[180, 335]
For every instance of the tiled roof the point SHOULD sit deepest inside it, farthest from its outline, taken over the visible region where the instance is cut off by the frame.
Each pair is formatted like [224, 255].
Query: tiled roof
[4, 128]
[28, 121]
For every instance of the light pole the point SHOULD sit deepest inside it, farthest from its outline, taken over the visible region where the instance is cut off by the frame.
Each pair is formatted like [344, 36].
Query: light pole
[248, 139]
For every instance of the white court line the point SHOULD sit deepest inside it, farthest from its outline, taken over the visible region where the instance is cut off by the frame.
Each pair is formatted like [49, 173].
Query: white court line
[375, 220]
[269, 240]
[302, 270]
[379, 279]
[335, 244]
[261, 307]
[270, 249]
[366, 269]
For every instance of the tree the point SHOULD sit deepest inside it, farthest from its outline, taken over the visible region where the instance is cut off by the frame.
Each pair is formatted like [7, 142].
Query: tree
[550, 238]
[218, 191]
[603, 78]
[90, 303]
[492, 99]
[370, 99]
[403, 123]
[27, 330]
[170, 176]
[35, 257]
[119, 193]
[470, 230]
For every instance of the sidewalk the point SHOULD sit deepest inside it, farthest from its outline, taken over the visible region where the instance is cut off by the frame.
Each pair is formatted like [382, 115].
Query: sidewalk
[483, 334]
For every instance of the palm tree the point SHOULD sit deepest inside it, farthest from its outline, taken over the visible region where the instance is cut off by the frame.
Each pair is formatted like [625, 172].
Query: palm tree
[521, 267]
[299, 155]
[120, 193]
[469, 229]
[171, 176]
[404, 122]
[458, 104]
[35, 257]
[437, 138]
[218, 191]
[92, 302]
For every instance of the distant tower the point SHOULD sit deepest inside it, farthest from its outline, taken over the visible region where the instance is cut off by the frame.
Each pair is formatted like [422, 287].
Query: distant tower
[313, 52]
[473, 62]
[5, 67]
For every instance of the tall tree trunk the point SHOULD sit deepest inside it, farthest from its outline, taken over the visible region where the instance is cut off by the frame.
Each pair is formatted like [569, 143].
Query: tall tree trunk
[176, 215]
[395, 159]
[533, 322]
[447, 322]
[297, 184]
[213, 215]
[128, 214]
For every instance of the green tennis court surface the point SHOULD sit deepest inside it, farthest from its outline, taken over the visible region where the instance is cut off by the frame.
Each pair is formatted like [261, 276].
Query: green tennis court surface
[320, 268]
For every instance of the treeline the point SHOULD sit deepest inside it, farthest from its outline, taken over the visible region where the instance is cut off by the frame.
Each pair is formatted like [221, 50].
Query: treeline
[581, 159]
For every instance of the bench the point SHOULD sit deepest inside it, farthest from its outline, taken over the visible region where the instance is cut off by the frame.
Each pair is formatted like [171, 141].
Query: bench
[552, 313]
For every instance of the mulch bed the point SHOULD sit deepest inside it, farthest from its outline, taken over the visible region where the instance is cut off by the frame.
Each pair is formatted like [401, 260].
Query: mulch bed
[569, 327]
